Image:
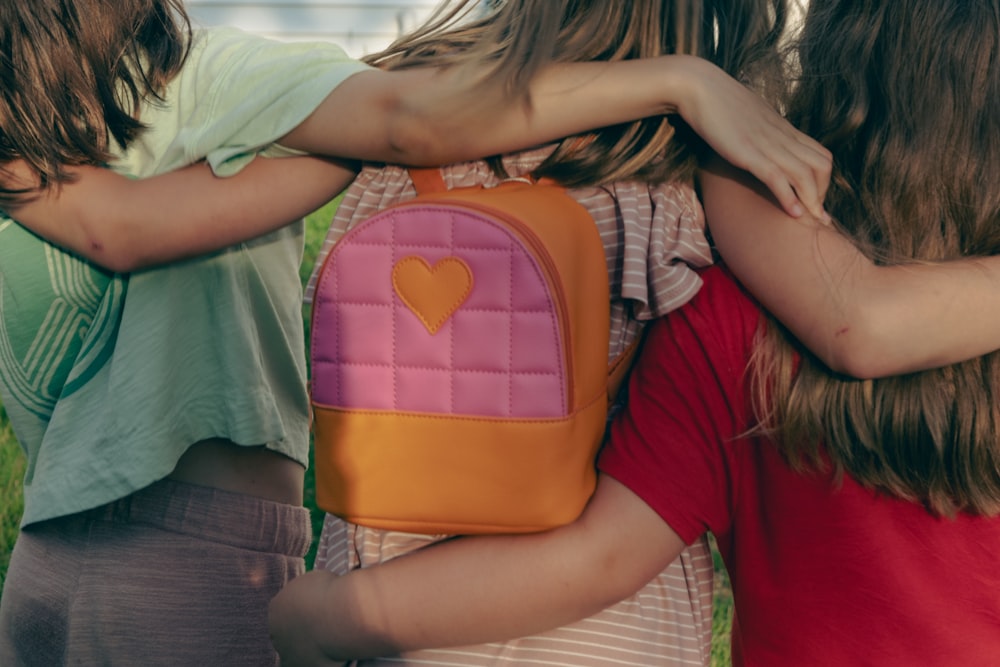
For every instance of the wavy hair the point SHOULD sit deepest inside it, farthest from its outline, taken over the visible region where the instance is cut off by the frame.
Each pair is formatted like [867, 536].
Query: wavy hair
[74, 74]
[906, 95]
[518, 37]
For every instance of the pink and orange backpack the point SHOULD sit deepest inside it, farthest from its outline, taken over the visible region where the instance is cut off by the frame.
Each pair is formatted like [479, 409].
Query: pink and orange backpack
[459, 352]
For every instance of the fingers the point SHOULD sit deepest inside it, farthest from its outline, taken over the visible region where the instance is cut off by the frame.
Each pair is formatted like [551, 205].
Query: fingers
[783, 191]
[793, 166]
[812, 177]
[796, 169]
[747, 132]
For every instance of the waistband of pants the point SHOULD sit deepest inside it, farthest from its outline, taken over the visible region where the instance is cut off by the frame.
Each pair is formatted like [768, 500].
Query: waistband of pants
[239, 520]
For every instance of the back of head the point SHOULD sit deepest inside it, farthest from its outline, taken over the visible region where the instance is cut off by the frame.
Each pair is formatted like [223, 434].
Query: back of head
[906, 94]
[75, 73]
[515, 38]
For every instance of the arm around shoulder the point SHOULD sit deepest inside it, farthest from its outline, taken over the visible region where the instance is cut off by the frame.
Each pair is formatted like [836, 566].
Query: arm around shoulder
[124, 224]
[478, 589]
[426, 116]
[861, 319]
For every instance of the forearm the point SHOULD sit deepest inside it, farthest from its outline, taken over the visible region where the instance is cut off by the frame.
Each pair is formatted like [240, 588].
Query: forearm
[922, 316]
[126, 224]
[860, 319]
[475, 590]
[453, 594]
[428, 117]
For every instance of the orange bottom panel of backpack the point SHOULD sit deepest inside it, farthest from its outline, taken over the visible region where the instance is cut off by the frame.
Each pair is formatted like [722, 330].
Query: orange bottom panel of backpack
[433, 474]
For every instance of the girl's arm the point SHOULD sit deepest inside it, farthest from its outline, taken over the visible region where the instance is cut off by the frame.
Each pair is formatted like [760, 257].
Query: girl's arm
[475, 590]
[428, 117]
[124, 224]
[414, 117]
[423, 117]
[861, 319]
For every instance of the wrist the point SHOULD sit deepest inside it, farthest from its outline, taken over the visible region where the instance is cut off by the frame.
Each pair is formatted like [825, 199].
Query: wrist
[684, 82]
[679, 81]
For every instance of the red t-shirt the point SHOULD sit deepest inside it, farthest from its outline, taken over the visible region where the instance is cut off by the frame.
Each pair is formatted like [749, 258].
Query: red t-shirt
[822, 574]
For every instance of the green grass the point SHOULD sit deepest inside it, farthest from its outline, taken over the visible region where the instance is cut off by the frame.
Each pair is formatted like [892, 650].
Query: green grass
[722, 613]
[11, 500]
[12, 472]
[316, 225]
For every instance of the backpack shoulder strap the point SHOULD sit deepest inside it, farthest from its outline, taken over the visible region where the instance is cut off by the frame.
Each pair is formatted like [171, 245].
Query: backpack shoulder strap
[427, 180]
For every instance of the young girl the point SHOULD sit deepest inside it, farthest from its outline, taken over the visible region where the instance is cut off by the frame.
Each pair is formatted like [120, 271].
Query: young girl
[654, 242]
[165, 415]
[634, 180]
[858, 519]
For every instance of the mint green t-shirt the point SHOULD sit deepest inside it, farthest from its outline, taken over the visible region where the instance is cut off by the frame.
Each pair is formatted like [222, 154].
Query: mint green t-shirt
[108, 379]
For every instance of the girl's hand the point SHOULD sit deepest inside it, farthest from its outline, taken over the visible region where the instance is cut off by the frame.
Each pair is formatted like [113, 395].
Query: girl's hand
[745, 131]
[295, 618]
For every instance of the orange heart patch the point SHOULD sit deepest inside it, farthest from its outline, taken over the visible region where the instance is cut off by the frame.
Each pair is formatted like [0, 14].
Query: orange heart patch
[432, 293]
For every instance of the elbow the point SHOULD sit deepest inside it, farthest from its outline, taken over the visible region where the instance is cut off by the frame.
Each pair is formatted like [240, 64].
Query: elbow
[439, 117]
[111, 249]
[855, 364]
[112, 259]
[418, 141]
[117, 257]
[423, 134]
[619, 580]
[623, 569]
[862, 350]
[122, 265]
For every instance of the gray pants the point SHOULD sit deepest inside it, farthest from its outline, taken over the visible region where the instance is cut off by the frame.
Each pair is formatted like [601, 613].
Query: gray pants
[173, 575]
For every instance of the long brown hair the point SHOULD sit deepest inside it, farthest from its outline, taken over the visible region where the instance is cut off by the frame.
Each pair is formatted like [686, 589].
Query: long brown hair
[906, 95]
[517, 37]
[74, 73]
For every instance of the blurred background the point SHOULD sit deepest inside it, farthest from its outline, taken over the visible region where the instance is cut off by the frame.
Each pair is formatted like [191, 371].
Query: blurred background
[360, 26]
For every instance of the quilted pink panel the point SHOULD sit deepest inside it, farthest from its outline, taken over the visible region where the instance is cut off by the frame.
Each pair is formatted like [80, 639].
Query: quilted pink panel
[497, 354]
